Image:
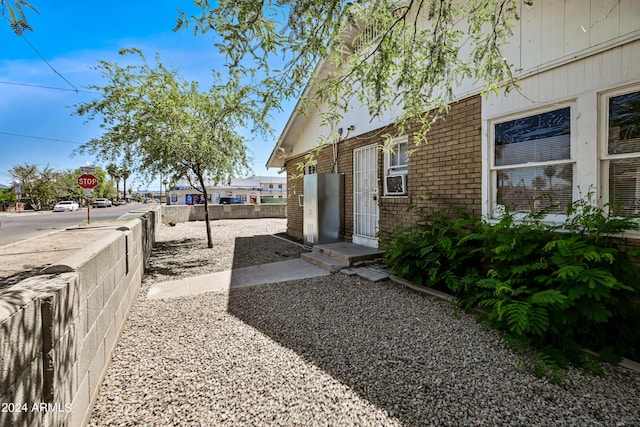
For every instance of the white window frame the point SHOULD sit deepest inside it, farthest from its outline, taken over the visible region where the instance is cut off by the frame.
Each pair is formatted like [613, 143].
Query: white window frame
[605, 157]
[495, 210]
[394, 170]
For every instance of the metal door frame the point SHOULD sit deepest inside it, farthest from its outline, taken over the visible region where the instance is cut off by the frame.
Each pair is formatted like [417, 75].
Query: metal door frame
[365, 166]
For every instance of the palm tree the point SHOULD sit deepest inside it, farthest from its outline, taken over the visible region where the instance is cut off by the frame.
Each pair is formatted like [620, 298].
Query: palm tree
[114, 172]
[538, 183]
[550, 172]
[124, 173]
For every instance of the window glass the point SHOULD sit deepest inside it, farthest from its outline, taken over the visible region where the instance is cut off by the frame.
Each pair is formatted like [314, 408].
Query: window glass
[399, 156]
[623, 147]
[532, 148]
[520, 189]
[624, 123]
[624, 186]
[396, 161]
[540, 138]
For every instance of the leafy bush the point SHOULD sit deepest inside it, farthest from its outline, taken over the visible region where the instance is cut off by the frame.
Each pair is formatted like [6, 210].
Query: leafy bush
[428, 252]
[556, 288]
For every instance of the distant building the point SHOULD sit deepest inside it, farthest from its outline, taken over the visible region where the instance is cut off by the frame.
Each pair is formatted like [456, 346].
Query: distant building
[251, 190]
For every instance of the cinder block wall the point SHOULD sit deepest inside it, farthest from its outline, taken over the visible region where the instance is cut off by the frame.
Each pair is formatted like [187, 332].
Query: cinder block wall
[446, 168]
[58, 331]
[182, 213]
[21, 357]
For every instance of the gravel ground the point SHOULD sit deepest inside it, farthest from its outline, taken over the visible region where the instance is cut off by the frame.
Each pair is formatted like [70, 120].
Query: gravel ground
[330, 351]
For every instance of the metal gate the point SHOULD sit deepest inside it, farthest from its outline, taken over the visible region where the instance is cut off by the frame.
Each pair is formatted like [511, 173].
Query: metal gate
[365, 196]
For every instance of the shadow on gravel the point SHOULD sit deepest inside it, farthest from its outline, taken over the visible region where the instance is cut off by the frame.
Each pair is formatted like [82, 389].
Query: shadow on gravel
[165, 261]
[345, 327]
[263, 249]
[337, 327]
[368, 336]
[188, 257]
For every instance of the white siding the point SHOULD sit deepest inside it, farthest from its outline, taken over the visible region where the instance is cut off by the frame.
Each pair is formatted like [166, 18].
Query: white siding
[580, 82]
[575, 37]
[605, 21]
[555, 40]
[552, 44]
[629, 13]
[529, 34]
[554, 31]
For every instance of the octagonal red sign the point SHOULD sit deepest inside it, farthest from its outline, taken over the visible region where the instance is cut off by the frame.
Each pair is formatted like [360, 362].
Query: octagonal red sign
[87, 181]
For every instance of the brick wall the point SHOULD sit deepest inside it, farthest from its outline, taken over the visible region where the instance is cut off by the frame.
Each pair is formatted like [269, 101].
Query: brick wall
[325, 161]
[446, 169]
[295, 187]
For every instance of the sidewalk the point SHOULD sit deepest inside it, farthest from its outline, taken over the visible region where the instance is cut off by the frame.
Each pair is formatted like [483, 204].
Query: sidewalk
[283, 271]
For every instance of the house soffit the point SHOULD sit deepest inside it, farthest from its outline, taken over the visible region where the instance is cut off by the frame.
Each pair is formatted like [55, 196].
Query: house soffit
[295, 124]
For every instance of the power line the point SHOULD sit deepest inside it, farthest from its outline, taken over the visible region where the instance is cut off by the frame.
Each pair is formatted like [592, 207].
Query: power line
[48, 87]
[40, 137]
[47, 62]
[75, 89]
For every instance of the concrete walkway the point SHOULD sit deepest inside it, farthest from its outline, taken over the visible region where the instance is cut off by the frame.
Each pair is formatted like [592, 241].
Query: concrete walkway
[294, 269]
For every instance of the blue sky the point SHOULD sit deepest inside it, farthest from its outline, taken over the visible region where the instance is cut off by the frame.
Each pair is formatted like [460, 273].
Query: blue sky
[36, 124]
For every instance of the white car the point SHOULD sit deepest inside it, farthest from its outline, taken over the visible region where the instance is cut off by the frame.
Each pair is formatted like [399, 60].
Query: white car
[66, 205]
[102, 203]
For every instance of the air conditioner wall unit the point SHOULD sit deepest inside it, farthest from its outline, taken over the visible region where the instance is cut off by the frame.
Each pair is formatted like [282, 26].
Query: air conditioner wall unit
[396, 185]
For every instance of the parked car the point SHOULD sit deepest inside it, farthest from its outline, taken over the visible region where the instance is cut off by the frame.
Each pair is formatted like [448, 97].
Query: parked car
[66, 206]
[102, 203]
[230, 200]
[121, 202]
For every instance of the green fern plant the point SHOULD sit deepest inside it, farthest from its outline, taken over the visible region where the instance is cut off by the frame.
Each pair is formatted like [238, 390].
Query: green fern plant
[428, 253]
[554, 288]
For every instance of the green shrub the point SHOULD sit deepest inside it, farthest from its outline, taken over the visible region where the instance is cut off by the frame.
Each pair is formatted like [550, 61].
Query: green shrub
[428, 252]
[556, 288]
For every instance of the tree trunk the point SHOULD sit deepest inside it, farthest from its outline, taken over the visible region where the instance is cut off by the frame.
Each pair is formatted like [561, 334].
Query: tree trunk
[206, 213]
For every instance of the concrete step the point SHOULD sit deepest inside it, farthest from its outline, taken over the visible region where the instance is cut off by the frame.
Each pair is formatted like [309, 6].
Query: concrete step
[324, 261]
[348, 252]
[371, 274]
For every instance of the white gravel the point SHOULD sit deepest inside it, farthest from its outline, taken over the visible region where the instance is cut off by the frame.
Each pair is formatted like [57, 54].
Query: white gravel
[330, 351]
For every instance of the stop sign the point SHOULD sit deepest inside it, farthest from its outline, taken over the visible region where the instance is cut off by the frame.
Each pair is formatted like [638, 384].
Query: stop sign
[87, 181]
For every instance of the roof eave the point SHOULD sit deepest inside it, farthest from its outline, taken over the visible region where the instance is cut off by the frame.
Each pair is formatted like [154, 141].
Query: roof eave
[277, 159]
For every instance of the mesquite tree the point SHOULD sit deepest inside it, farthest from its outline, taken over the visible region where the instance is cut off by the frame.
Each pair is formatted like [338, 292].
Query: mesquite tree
[14, 12]
[386, 54]
[171, 127]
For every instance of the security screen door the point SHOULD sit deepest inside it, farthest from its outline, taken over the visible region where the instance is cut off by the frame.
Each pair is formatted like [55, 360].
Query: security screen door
[365, 196]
